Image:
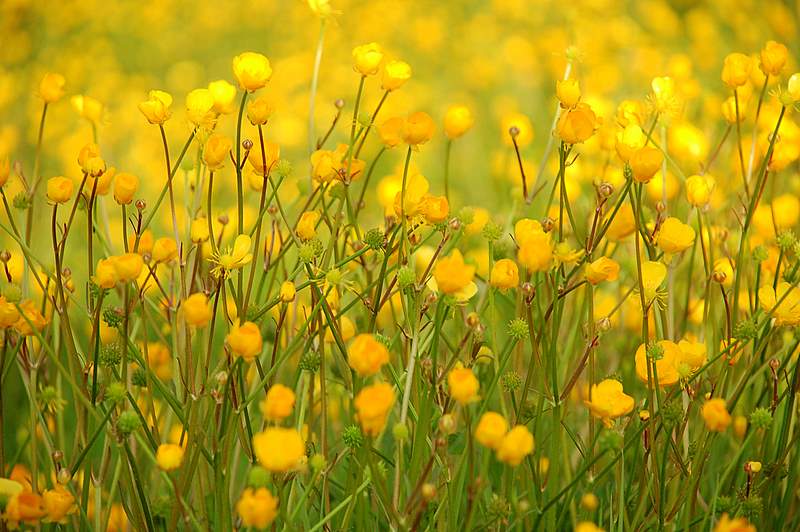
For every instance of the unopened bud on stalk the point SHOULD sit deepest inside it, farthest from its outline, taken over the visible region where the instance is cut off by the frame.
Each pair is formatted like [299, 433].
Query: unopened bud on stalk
[605, 189]
[223, 219]
[339, 103]
[548, 224]
[513, 131]
[447, 424]
[247, 144]
[140, 205]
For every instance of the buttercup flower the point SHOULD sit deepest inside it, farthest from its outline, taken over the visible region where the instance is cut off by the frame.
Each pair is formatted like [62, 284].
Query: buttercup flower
[577, 124]
[736, 70]
[259, 110]
[666, 367]
[165, 249]
[257, 508]
[216, 151]
[463, 385]
[125, 187]
[457, 120]
[196, 310]
[287, 292]
[51, 88]
[491, 429]
[59, 189]
[127, 266]
[367, 58]
[252, 70]
[675, 236]
[373, 404]
[418, 129]
[773, 58]
[395, 74]
[307, 226]
[515, 446]
[278, 403]
[169, 456]
[366, 355]
[715, 413]
[603, 269]
[245, 340]
[200, 107]
[737, 524]
[505, 274]
[788, 311]
[699, 189]
[88, 108]
[568, 92]
[58, 504]
[156, 109]
[452, 274]
[608, 401]
[224, 95]
[232, 258]
[645, 163]
[278, 449]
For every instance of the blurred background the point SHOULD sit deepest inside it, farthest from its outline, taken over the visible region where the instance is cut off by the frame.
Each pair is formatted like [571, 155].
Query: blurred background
[496, 56]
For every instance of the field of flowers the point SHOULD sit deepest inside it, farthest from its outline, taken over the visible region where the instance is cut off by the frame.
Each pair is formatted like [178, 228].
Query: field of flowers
[399, 265]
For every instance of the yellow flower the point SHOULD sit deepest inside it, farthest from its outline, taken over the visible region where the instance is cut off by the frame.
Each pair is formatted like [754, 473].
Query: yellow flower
[754, 467]
[367, 58]
[715, 414]
[59, 189]
[245, 340]
[127, 266]
[105, 275]
[88, 108]
[505, 274]
[272, 154]
[736, 70]
[645, 163]
[609, 401]
[196, 310]
[90, 161]
[100, 185]
[564, 254]
[307, 226]
[723, 271]
[257, 508]
[664, 98]
[588, 526]
[224, 95]
[418, 128]
[373, 404]
[773, 58]
[699, 189]
[58, 504]
[8, 313]
[785, 211]
[457, 120]
[51, 87]
[516, 445]
[414, 201]
[26, 507]
[693, 357]
[491, 429]
[568, 92]
[159, 359]
[259, 110]
[216, 151]
[788, 312]
[252, 70]
[666, 367]
[674, 236]
[169, 456]
[737, 524]
[395, 74]
[125, 187]
[366, 355]
[165, 249]
[451, 274]
[278, 449]
[535, 251]
[200, 107]
[437, 208]
[322, 8]
[576, 125]
[288, 291]
[232, 258]
[629, 141]
[523, 126]
[603, 269]
[278, 403]
[156, 109]
[463, 385]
